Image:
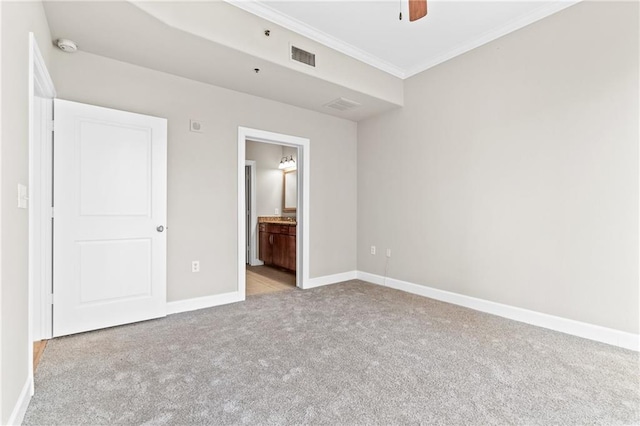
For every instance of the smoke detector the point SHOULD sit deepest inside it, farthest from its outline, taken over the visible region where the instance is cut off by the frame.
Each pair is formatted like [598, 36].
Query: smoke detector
[65, 45]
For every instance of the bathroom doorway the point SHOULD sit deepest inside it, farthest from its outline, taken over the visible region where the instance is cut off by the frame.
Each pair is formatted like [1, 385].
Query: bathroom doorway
[271, 194]
[273, 212]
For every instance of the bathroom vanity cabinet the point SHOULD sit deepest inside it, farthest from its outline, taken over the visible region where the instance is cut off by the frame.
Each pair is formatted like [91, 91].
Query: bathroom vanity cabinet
[277, 244]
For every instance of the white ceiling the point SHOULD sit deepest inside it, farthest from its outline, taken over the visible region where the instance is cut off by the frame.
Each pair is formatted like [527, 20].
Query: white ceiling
[120, 30]
[371, 31]
[217, 43]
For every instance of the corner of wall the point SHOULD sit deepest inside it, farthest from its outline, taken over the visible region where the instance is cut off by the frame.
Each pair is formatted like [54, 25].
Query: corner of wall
[20, 408]
[17, 20]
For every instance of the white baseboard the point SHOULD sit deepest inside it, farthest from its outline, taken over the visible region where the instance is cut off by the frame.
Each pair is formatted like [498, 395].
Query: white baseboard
[581, 329]
[20, 409]
[576, 328]
[330, 279]
[203, 302]
[232, 297]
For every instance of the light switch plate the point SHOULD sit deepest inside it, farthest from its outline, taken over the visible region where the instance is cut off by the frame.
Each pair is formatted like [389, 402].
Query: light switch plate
[23, 196]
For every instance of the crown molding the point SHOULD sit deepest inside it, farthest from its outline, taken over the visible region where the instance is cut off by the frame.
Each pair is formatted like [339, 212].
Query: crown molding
[493, 34]
[264, 11]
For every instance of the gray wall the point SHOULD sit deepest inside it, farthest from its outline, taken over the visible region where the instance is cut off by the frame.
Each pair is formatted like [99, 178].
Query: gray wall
[202, 193]
[18, 19]
[511, 174]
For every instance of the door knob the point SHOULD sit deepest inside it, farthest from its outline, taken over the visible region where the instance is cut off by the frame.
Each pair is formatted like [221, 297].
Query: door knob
[160, 228]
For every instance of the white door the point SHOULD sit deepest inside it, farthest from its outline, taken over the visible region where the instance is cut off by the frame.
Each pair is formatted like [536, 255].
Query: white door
[110, 181]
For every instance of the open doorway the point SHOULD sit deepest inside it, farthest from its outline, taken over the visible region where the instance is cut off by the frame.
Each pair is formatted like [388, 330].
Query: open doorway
[271, 214]
[271, 194]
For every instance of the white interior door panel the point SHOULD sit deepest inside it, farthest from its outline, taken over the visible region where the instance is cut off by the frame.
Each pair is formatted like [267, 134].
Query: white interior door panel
[110, 180]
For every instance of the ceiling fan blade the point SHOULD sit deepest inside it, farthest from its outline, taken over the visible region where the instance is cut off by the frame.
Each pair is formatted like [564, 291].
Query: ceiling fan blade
[417, 9]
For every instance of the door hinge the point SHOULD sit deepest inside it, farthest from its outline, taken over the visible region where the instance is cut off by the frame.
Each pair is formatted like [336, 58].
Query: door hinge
[50, 299]
[53, 212]
[52, 126]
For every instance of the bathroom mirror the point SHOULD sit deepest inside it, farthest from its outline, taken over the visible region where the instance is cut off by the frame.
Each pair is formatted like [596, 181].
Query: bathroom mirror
[290, 191]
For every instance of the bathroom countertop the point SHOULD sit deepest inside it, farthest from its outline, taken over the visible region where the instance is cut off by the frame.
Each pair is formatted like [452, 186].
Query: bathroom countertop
[277, 220]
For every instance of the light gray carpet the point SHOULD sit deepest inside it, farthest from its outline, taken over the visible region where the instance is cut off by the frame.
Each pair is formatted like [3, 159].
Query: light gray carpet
[351, 353]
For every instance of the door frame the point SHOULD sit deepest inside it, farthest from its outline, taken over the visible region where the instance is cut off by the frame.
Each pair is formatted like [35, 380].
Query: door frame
[253, 219]
[41, 95]
[302, 214]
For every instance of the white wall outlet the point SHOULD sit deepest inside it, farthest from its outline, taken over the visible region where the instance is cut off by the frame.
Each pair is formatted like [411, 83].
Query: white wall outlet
[196, 126]
[277, 211]
[195, 266]
[388, 252]
[23, 196]
[373, 249]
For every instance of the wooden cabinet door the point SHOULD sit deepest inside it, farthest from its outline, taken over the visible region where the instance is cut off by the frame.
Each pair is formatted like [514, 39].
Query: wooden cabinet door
[280, 250]
[265, 250]
[290, 252]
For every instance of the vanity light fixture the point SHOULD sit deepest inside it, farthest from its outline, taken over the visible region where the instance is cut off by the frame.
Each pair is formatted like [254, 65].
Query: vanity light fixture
[287, 163]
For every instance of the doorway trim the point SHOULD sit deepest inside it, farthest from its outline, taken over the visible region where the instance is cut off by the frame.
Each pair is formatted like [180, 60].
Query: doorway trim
[41, 95]
[253, 219]
[302, 216]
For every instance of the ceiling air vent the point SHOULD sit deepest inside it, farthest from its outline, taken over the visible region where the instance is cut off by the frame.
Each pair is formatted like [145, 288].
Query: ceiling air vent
[342, 104]
[303, 56]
